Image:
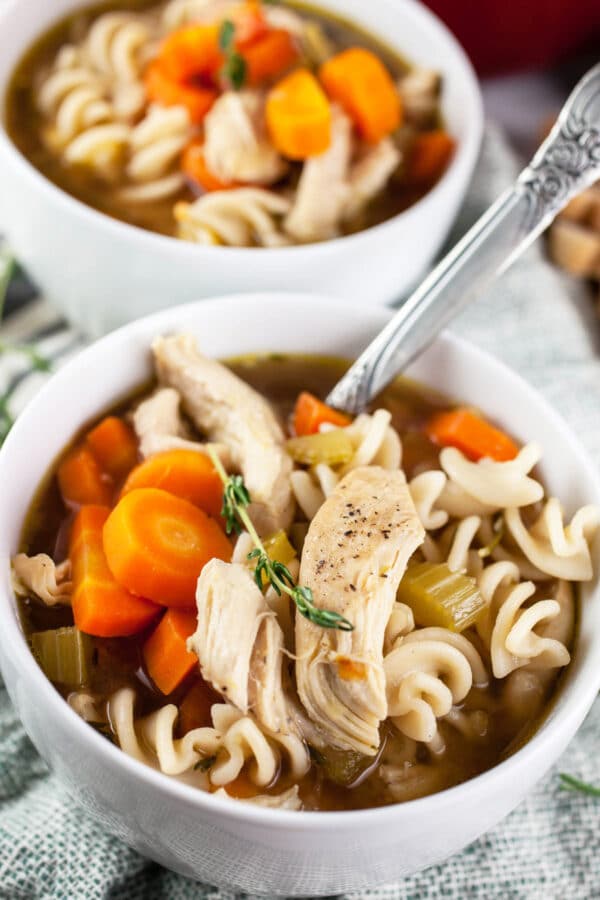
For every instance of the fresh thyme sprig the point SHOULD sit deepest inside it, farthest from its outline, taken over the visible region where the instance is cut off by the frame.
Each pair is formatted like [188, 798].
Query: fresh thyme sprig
[570, 783]
[234, 69]
[236, 500]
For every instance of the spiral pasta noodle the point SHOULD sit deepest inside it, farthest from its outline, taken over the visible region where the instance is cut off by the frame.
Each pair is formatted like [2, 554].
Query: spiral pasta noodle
[242, 217]
[495, 484]
[235, 740]
[40, 575]
[427, 673]
[559, 550]
[155, 145]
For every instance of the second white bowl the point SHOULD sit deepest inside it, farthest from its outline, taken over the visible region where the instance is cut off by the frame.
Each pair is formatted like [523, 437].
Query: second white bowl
[102, 273]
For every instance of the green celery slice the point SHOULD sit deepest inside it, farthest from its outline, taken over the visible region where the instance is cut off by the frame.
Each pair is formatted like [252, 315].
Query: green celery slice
[64, 654]
[439, 597]
[331, 447]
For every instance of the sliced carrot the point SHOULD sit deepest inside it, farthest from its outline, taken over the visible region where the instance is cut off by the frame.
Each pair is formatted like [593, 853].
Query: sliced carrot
[184, 473]
[193, 164]
[269, 56]
[101, 606]
[81, 480]
[429, 156]
[161, 88]
[114, 445]
[310, 413]
[166, 656]
[191, 52]
[472, 435]
[361, 84]
[156, 545]
[250, 23]
[298, 116]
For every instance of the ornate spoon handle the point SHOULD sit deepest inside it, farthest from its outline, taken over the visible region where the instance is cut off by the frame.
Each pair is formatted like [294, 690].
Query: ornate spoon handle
[566, 163]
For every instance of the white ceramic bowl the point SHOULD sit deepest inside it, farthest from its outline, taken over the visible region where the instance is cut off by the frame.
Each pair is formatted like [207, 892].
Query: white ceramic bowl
[102, 272]
[234, 844]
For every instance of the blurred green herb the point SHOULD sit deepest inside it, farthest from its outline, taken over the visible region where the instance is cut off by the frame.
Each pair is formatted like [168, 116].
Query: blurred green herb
[203, 765]
[234, 69]
[570, 783]
[35, 358]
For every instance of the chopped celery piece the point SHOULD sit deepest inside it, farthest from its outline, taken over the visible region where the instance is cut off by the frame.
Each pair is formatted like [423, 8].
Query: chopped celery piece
[440, 597]
[278, 549]
[64, 654]
[331, 447]
[343, 767]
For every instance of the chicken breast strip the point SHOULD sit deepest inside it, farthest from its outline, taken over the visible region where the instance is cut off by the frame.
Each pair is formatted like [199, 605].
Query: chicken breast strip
[354, 556]
[239, 644]
[229, 411]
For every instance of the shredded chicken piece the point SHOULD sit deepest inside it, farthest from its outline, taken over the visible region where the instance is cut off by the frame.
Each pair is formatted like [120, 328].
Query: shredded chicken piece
[236, 145]
[239, 644]
[354, 556]
[160, 427]
[322, 192]
[420, 91]
[370, 175]
[39, 575]
[229, 411]
[334, 187]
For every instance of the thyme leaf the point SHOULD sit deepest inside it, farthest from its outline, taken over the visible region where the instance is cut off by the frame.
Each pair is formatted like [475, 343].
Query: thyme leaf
[236, 500]
[570, 783]
[203, 765]
[234, 68]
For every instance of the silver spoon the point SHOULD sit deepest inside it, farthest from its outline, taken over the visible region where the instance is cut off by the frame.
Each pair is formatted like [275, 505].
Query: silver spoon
[565, 164]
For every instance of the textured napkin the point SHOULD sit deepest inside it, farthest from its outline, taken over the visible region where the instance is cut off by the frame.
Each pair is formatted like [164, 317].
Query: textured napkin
[542, 324]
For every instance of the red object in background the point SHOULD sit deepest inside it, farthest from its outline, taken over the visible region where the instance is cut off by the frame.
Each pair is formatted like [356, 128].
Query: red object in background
[507, 35]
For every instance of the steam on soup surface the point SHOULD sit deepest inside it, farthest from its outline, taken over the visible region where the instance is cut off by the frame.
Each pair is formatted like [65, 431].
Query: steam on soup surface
[228, 123]
[387, 617]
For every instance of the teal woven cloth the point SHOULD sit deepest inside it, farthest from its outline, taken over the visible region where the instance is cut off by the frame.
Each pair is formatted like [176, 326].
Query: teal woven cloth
[543, 325]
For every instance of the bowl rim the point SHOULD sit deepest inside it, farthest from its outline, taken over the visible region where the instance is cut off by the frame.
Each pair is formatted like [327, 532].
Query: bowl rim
[461, 165]
[565, 717]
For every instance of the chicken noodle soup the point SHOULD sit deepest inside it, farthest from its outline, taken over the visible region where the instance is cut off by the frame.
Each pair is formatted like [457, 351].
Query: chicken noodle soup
[229, 122]
[267, 599]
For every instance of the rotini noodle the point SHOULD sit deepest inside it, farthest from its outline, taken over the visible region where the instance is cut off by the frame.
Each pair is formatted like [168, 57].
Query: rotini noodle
[242, 217]
[559, 550]
[496, 484]
[427, 673]
[40, 575]
[155, 145]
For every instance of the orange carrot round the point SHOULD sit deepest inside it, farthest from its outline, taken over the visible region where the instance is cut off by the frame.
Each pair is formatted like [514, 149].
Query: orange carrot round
[101, 607]
[193, 164]
[269, 56]
[184, 473]
[114, 445]
[361, 84]
[310, 413]
[156, 545]
[167, 659]
[81, 480]
[161, 88]
[429, 156]
[191, 52]
[471, 434]
[298, 116]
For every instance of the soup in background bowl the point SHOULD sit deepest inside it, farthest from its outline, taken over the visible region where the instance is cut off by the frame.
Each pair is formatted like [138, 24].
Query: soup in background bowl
[232, 124]
[456, 668]
[287, 200]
